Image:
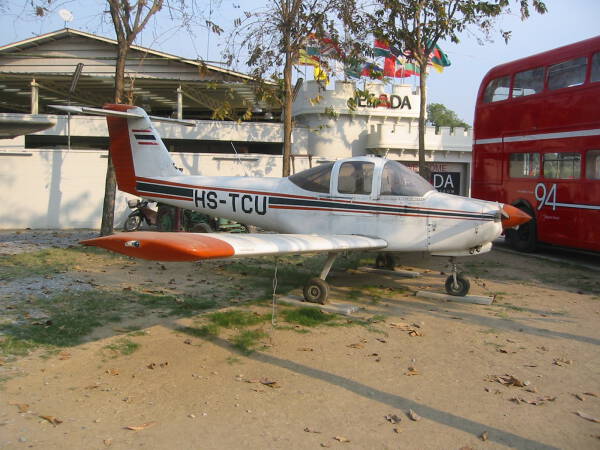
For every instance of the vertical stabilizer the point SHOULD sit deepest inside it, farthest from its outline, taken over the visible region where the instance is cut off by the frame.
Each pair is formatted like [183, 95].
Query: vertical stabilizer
[136, 148]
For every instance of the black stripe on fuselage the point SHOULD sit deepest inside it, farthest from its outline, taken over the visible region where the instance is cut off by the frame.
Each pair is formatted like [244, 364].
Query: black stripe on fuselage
[145, 137]
[151, 188]
[282, 201]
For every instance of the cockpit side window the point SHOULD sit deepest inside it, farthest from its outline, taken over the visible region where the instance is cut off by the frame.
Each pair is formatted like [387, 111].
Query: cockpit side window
[397, 179]
[316, 179]
[355, 177]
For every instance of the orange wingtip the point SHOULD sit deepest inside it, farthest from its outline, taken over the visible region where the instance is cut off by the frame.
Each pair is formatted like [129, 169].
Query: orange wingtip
[513, 217]
[157, 246]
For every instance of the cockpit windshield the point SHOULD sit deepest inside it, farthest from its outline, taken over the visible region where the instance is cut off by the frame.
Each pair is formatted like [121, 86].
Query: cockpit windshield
[397, 179]
[315, 179]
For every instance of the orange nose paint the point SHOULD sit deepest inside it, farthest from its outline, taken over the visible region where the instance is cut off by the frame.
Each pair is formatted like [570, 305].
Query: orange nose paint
[515, 217]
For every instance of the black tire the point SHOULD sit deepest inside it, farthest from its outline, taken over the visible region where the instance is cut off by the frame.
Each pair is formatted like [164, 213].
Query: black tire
[385, 261]
[133, 223]
[462, 287]
[316, 291]
[523, 239]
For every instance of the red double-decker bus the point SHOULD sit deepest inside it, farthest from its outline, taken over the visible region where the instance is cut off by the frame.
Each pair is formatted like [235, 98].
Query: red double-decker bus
[537, 144]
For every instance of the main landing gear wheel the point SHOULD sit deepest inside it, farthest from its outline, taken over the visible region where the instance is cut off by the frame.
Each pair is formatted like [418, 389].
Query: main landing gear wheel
[459, 287]
[316, 291]
[385, 261]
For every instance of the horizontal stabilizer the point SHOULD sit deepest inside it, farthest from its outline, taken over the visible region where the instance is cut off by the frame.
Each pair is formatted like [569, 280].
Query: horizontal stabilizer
[158, 246]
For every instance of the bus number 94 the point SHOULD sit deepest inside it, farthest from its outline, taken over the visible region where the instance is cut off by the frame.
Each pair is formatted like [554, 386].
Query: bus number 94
[545, 196]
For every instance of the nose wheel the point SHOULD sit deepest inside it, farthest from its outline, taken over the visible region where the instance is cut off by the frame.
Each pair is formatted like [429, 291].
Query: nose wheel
[457, 284]
[316, 290]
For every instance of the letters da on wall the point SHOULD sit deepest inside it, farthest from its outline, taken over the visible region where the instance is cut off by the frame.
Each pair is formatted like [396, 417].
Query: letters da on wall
[391, 101]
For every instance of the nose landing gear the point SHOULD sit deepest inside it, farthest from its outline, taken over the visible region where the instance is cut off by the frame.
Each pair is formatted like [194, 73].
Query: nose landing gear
[457, 284]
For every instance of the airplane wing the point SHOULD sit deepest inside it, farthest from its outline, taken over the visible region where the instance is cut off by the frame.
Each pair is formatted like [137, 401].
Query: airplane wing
[11, 126]
[157, 246]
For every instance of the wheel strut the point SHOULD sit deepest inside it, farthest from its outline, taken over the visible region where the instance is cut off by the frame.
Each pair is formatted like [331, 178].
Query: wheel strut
[457, 284]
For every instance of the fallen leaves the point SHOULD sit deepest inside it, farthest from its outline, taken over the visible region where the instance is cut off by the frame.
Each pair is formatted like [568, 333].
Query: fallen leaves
[53, 420]
[507, 380]
[141, 427]
[112, 372]
[536, 402]
[411, 372]
[393, 418]
[310, 430]
[587, 417]
[561, 362]
[413, 415]
[342, 439]
[484, 436]
[22, 407]
[413, 329]
[153, 365]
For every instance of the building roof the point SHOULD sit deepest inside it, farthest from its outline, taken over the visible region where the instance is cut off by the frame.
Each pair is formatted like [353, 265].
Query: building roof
[152, 77]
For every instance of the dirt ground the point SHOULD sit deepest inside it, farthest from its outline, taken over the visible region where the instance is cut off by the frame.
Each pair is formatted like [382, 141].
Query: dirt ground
[523, 372]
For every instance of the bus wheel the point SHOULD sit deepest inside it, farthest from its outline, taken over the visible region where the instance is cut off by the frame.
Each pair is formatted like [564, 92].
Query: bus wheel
[524, 238]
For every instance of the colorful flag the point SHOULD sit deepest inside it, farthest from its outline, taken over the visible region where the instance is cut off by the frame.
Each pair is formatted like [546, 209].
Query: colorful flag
[438, 59]
[381, 48]
[305, 59]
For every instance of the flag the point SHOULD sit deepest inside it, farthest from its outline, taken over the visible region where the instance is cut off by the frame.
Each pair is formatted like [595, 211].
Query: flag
[305, 59]
[320, 74]
[438, 59]
[408, 69]
[381, 48]
[372, 70]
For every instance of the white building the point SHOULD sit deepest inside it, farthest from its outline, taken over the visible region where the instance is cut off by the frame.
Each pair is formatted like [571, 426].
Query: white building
[55, 178]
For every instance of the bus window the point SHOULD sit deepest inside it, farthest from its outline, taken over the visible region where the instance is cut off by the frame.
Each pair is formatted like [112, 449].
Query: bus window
[528, 82]
[595, 76]
[524, 165]
[567, 74]
[562, 165]
[592, 164]
[497, 90]
[315, 179]
[355, 177]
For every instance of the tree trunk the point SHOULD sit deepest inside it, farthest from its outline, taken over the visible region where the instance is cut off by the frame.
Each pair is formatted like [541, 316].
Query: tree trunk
[110, 185]
[287, 114]
[423, 168]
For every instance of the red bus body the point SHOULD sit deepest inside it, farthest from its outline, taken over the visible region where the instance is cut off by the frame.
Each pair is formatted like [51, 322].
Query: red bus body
[537, 144]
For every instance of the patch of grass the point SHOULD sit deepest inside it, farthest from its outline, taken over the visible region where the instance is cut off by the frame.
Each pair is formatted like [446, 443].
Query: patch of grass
[123, 346]
[205, 331]
[247, 340]
[233, 360]
[489, 331]
[137, 333]
[11, 346]
[308, 317]
[511, 306]
[176, 306]
[236, 318]
[502, 315]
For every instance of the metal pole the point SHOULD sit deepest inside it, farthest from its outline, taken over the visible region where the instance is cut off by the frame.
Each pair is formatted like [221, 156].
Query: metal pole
[179, 103]
[35, 97]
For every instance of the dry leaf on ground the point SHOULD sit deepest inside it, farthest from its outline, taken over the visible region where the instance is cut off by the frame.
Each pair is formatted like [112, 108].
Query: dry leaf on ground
[412, 371]
[53, 420]
[310, 430]
[357, 345]
[413, 333]
[341, 439]
[413, 415]
[141, 427]
[507, 380]
[484, 436]
[112, 371]
[393, 418]
[587, 417]
[107, 442]
[561, 362]
[23, 407]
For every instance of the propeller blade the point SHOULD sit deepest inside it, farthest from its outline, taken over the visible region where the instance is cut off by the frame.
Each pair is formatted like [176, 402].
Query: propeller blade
[513, 216]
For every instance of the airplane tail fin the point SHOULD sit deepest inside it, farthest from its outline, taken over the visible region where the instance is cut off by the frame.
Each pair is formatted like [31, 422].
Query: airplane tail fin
[136, 148]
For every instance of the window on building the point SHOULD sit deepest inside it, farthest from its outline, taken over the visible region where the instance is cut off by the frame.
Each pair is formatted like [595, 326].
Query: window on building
[567, 74]
[524, 165]
[355, 177]
[528, 83]
[592, 164]
[595, 75]
[315, 179]
[562, 165]
[497, 90]
[397, 179]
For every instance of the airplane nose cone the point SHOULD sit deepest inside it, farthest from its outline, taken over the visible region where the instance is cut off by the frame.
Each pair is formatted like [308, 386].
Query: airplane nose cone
[513, 216]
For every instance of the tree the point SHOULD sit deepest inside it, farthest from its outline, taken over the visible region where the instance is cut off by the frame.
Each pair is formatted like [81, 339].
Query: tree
[440, 116]
[416, 26]
[273, 36]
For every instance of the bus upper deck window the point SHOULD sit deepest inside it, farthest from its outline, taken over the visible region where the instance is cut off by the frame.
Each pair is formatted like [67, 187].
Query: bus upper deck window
[528, 82]
[567, 74]
[524, 165]
[595, 75]
[497, 90]
[592, 164]
[564, 166]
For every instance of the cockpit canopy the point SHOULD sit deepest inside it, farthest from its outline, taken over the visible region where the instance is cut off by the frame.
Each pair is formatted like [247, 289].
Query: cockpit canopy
[360, 177]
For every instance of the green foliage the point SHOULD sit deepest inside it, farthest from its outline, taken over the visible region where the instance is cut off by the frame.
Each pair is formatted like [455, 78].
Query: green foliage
[236, 318]
[247, 340]
[440, 116]
[308, 317]
[122, 346]
[11, 346]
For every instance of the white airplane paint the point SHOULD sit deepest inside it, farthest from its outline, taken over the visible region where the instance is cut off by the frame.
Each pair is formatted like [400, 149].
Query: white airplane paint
[357, 203]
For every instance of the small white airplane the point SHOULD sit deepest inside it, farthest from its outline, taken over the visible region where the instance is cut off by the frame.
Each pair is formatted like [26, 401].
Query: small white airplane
[360, 203]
